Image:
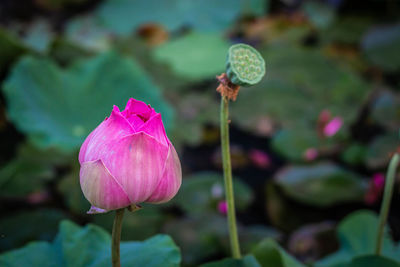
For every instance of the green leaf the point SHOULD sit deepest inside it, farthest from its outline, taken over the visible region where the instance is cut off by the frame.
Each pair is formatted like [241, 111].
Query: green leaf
[347, 29]
[81, 246]
[18, 228]
[90, 246]
[20, 178]
[269, 253]
[34, 254]
[385, 110]
[88, 32]
[293, 144]
[380, 47]
[321, 14]
[357, 236]
[354, 154]
[371, 261]
[29, 171]
[57, 107]
[194, 56]
[125, 16]
[196, 195]
[247, 261]
[38, 36]
[322, 185]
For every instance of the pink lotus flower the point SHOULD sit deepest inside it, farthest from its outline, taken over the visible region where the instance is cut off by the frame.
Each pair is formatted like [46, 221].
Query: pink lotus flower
[128, 159]
[260, 158]
[332, 127]
[223, 207]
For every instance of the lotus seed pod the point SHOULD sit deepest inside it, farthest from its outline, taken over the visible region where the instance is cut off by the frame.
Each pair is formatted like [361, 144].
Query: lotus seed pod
[244, 66]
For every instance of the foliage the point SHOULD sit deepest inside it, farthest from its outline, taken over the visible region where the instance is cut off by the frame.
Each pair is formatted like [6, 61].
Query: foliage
[194, 56]
[90, 246]
[357, 237]
[269, 253]
[205, 15]
[322, 185]
[59, 107]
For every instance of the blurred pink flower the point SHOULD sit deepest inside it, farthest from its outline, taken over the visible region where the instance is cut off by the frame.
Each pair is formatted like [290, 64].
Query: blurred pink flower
[128, 159]
[311, 154]
[332, 127]
[260, 158]
[375, 188]
[223, 207]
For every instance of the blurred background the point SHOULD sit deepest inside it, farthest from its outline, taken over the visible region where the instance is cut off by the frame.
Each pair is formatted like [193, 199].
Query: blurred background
[310, 143]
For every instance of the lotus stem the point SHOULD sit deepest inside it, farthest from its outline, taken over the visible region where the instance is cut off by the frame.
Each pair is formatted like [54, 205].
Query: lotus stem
[387, 197]
[226, 163]
[116, 237]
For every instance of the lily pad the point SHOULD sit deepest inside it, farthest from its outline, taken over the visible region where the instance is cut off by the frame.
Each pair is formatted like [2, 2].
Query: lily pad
[90, 246]
[60, 107]
[88, 32]
[38, 36]
[380, 46]
[269, 253]
[29, 171]
[323, 184]
[386, 110]
[293, 144]
[372, 261]
[246, 261]
[194, 56]
[125, 16]
[357, 236]
[14, 231]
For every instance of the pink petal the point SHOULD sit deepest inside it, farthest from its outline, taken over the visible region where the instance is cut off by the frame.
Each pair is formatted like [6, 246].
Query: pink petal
[138, 108]
[115, 127]
[155, 128]
[136, 161]
[171, 180]
[134, 120]
[223, 207]
[333, 126]
[100, 188]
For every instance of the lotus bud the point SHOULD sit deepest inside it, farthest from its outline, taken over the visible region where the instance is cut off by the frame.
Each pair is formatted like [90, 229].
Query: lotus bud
[128, 159]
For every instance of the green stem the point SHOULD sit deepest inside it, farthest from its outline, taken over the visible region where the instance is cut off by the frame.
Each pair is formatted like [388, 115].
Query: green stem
[387, 197]
[116, 237]
[226, 163]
